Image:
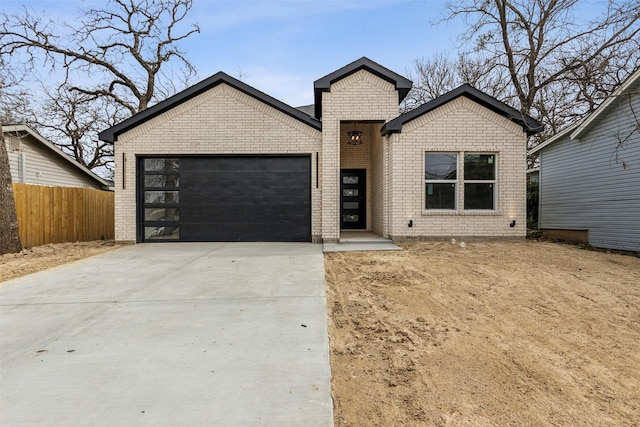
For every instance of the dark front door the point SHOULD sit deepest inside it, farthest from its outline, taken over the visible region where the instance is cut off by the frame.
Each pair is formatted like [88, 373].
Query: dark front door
[353, 203]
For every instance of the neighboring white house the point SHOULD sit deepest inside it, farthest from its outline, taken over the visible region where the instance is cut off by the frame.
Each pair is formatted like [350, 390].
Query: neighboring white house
[222, 161]
[590, 175]
[35, 160]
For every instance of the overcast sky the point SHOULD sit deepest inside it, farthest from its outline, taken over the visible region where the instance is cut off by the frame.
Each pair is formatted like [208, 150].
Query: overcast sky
[282, 46]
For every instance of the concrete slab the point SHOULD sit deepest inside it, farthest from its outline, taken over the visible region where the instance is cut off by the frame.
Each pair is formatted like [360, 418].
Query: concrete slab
[360, 240]
[195, 334]
[360, 246]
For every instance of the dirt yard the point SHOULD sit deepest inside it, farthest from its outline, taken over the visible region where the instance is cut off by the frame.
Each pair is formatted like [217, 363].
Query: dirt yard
[494, 334]
[47, 256]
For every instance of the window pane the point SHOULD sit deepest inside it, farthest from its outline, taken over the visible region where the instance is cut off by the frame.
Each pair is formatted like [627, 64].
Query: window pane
[161, 197]
[170, 180]
[161, 164]
[478, 196]
[350, 218]
[161, 214]
[350, 179]
[440, 196]
[480, 166]
[350, 192]
[350, 205]
[440, 166]
[152, 233]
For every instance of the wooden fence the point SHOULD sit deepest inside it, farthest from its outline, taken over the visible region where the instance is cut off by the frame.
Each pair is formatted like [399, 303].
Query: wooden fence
[63, 214]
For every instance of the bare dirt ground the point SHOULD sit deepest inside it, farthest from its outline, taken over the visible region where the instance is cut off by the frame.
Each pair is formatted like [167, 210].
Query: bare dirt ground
[43, 257]
[495, 334]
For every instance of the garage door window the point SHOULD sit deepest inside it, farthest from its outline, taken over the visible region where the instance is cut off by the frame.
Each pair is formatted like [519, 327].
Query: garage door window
[161, 178]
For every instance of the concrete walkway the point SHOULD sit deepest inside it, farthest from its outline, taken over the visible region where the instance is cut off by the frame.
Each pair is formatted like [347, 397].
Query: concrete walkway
[356, 241]
[191, 334]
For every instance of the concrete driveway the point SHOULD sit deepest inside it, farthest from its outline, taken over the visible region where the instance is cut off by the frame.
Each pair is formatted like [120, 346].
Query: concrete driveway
[189, 334]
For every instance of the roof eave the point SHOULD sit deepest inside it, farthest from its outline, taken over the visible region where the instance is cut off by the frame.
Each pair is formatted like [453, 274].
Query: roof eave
[529, 124]
[111, 134]
[323, 84]
[390, 127]
[600, 110]
[49, 145]
[555, 138]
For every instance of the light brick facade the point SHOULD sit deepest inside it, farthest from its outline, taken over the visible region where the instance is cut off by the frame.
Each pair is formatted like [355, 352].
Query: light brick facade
[460, 126]
[360, 97]
[223, 120]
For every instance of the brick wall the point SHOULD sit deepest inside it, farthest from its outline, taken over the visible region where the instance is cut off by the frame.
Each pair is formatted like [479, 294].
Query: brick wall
[377, 183]
[226, 121]
[360, 96]
[458, 126]
[222, 120]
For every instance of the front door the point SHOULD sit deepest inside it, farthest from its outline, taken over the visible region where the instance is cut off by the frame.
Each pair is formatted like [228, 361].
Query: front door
[353, 203]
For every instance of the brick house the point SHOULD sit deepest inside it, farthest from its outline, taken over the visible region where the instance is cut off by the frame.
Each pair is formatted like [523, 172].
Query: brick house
[222, 161]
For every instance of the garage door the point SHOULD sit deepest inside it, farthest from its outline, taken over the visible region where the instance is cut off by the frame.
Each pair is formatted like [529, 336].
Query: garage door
[225, 198]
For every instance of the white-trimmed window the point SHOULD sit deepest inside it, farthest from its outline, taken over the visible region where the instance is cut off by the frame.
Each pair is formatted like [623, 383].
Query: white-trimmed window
[441, 181]
[479, 182]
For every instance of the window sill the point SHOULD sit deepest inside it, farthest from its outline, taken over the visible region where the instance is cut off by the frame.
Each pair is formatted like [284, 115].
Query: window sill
[460, 213]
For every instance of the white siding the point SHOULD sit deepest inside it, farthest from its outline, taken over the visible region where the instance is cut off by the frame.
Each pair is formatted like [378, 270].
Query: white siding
[584, 186]
[42, 166]
[13, 161]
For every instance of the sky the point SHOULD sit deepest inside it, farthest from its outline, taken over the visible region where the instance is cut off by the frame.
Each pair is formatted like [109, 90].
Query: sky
[282, 46]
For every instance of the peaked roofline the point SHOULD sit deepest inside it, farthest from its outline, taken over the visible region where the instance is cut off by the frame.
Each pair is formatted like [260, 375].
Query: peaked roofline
[111, 134]
[402, 84]
[582, 126]
[588, 123]
[48, 144]
[528, 123]
[564, 132]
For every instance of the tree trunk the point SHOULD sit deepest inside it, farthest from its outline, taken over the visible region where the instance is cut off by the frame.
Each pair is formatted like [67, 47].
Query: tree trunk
[9, 237]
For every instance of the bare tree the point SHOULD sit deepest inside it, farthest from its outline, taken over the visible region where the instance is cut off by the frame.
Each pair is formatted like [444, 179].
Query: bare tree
[431, 78]
[119, 55]
[439, 74]
[73, 120]
[9, 237]
[558, 68]
[16, 110]
[629, 134]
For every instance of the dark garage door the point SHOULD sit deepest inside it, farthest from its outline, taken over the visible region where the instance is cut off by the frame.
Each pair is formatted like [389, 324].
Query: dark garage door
[225, 198]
